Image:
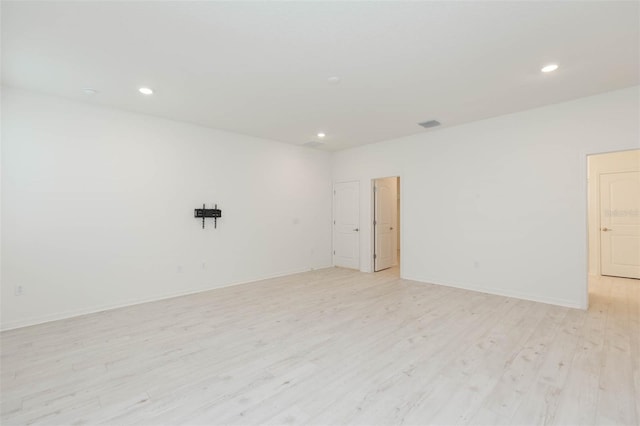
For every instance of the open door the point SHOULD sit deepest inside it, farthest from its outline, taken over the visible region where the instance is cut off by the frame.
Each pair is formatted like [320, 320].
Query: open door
[385, 222]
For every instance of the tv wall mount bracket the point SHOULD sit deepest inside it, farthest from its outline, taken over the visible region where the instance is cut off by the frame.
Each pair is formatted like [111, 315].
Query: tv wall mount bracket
[204, 213]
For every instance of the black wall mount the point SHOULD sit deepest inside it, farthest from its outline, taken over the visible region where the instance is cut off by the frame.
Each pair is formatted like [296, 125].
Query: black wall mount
[204, 213]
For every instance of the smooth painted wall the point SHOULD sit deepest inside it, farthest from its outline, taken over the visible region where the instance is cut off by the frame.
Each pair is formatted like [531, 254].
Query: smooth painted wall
[97, 208]
[498, 205]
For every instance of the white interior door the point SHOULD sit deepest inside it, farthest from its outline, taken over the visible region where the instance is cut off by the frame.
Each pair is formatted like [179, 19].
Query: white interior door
[385, 204]
[346, 224]
[620, 224]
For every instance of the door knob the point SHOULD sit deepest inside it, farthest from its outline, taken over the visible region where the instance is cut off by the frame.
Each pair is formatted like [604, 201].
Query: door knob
[391, 229]
[356, 229]
[605, 229]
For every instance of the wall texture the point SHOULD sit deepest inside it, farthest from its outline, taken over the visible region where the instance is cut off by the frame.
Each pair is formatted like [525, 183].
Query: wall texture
[97, 208]
[498, 205]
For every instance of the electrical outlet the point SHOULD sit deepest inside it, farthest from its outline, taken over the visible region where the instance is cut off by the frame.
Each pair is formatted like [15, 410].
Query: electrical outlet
[19, 290]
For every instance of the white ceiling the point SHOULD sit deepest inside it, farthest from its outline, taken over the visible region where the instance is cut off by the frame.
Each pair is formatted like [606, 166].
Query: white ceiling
[261, 68]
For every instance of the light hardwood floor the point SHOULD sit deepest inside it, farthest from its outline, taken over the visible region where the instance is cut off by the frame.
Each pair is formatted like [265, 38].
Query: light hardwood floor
[332, 347]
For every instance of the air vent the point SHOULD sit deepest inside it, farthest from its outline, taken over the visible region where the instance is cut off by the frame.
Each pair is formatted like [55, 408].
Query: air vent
[429, 124]
[313, 144]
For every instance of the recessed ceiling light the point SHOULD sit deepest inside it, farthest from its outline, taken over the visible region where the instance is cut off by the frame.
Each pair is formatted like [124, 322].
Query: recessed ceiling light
[89, 91]
[333, 80]
[145, 91]
[549, 68]
[321, 135]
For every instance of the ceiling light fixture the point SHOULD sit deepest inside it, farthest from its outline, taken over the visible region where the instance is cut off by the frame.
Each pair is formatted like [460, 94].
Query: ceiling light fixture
[321, 135]
[89, 91]
[145, 91]
[333, 80]
[549, 68]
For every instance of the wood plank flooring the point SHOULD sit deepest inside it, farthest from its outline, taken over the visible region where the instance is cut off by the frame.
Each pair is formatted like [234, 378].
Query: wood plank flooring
[332, 347]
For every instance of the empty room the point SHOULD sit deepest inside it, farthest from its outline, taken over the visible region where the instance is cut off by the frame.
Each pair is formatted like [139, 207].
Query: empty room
[320, 213]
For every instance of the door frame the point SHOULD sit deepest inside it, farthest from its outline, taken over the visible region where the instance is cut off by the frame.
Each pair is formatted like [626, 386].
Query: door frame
[400, 224]
[584, 171]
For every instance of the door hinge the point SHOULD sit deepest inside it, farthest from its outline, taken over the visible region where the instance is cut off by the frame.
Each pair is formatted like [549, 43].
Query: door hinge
[334, 222]
[334, 252]
[334, 192]
[375, 222]
[375, 189]
[375, 256]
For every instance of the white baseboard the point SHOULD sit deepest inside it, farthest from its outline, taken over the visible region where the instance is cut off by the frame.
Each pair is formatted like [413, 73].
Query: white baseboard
[11, 325]
[507, 293]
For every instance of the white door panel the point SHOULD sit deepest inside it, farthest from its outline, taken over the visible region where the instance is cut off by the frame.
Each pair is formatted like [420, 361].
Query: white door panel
[620, 224]
[385, 204]
[346, 224]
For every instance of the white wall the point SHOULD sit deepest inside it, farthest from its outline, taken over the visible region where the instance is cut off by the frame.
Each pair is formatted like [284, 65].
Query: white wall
[97, 204]
[498, 205]
[97, 208]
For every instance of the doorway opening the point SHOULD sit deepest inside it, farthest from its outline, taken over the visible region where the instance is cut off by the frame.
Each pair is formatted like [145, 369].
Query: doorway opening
[386, 223]
[613, 219]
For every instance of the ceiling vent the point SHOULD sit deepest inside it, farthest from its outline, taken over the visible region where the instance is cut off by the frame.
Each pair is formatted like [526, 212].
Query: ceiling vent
[313, 144]
[429, 124]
